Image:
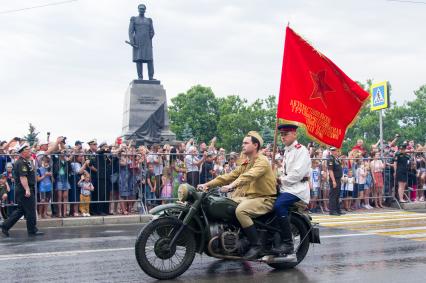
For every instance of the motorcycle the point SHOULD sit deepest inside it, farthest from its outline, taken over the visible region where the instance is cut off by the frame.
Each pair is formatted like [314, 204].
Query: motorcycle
[205, 222]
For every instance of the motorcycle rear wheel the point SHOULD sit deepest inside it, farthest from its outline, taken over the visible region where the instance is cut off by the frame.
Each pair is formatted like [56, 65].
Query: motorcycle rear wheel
[299, 231]
[156, 258]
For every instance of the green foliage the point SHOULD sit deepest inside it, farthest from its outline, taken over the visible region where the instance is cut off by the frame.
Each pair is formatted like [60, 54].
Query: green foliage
[199, 114]
[31, 137]
[196, 109]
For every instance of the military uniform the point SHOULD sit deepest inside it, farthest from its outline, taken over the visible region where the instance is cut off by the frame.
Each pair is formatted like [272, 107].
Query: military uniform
[26, 205]
[255, 188]
[294, 181]
[294, 186]
[334, 164]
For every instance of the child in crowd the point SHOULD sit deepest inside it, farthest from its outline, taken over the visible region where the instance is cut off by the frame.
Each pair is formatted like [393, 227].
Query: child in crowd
[349, 188]
[45, 186]
[4, 189]
[167, 183]
[368, 184]
[315, 186]
[86, 189]
[360, 177]
[412, 182]
[152, 184]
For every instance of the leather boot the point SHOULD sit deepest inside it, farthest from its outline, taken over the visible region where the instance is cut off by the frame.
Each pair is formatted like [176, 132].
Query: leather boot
[255, 246]
[286, 247]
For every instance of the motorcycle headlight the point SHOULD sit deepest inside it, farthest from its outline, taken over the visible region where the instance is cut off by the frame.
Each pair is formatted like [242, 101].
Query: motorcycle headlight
[183, 193]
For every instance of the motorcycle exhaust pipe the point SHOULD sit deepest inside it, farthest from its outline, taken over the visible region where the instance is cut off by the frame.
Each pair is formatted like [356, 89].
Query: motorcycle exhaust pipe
[281, 259]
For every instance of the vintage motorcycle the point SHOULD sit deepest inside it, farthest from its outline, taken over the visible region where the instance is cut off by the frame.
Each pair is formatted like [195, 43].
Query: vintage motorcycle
[205, 222]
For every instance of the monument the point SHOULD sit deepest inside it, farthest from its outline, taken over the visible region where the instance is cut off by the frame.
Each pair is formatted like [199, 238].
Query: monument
[145, 118]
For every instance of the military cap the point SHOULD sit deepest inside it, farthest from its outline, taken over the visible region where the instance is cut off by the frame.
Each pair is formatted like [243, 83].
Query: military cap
[92, 141]
[402, 146]
[256, 135]
[287, 127]
[22, 148]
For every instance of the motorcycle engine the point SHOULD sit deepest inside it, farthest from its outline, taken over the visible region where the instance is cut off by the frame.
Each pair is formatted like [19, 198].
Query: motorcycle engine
[228, 241]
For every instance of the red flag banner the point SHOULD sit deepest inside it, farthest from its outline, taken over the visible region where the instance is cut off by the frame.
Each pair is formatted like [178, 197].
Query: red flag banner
[315, 93]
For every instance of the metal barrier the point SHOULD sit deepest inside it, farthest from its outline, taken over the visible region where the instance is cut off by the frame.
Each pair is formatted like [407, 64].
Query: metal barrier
[123, 182]
[127, 182]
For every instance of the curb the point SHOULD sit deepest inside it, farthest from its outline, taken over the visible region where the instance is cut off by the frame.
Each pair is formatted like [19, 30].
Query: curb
[88, 221]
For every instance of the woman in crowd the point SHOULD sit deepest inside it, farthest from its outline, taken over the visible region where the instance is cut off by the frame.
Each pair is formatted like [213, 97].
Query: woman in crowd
[368, 184]
[377, 166]
[61, 171]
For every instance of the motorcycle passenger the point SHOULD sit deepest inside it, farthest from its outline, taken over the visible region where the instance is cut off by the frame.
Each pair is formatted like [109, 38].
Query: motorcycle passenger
[294, 184]
[255, 189]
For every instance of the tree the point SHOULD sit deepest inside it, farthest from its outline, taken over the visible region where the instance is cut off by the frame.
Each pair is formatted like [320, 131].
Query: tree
[31, 137]
[187, 133]
[196, 109]
[199, 114]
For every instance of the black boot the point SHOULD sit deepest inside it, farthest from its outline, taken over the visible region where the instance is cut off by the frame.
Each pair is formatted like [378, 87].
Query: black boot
[287, 246]
[255, 246]
[4, 230]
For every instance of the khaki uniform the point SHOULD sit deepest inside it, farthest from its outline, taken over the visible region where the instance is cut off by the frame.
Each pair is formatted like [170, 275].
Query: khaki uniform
[255, 188]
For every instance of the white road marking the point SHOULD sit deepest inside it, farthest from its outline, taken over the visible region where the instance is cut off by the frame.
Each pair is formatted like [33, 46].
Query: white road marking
[63, 253]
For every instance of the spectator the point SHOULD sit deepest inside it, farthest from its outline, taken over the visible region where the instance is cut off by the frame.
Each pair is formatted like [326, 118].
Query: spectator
[167, 187]
[91, 155]
[360, 147]
[4, 189]
[155, 159]
[315, 185]
[421, 167]
[350, 181]
[61, 171]
[377, 166]
[208, 169]
[44, 185]
[402, 165]
[412, 182]
[232, 161]
[11, 183]
[125, 183]
[151, 186]
[368, 184]
[361, 176]
[193, 163]
[86, 188]
[78, 167]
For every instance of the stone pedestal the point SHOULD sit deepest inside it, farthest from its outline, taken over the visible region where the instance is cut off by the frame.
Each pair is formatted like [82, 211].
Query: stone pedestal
[145, 118]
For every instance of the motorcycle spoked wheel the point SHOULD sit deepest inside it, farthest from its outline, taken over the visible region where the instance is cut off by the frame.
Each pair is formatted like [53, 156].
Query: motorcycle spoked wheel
[299, 231]
[155, 257]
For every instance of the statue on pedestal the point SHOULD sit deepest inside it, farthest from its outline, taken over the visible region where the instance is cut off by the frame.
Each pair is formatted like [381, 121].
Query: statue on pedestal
[141, 32]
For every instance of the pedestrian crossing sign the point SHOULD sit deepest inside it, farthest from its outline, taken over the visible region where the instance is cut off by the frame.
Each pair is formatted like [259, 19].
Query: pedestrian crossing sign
[379, 96]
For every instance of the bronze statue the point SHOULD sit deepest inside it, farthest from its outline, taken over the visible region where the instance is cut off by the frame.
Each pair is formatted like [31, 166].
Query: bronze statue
[141, 32]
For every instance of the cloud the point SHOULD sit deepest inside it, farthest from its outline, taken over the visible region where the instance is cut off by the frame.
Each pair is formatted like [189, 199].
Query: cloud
[65, 68]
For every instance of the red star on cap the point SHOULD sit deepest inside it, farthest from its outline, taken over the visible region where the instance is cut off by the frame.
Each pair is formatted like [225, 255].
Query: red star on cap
[320, 86]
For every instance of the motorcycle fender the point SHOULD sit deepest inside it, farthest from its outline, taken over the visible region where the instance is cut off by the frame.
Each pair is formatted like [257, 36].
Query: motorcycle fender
[196, 225]
[314, 235]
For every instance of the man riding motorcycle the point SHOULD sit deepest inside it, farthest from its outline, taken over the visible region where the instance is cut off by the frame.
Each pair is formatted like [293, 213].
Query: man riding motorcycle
[294, 184]
[255, 189]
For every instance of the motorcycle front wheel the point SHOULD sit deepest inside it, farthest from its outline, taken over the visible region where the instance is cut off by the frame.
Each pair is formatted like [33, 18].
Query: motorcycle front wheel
[156, 257]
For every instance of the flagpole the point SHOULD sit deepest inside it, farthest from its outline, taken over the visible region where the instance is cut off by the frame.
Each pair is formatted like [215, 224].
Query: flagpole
[274, 147]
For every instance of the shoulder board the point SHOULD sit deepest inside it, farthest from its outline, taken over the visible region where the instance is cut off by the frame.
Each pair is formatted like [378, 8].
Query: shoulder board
[298, 146]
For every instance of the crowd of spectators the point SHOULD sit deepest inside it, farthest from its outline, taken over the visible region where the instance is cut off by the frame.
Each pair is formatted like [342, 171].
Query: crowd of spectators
[103, 179]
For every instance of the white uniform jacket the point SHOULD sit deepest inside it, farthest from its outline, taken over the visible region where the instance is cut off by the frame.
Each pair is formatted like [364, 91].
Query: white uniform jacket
[296, 166]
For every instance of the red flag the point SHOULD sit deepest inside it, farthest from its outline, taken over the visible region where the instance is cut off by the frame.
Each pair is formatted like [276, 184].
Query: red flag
[315, 93]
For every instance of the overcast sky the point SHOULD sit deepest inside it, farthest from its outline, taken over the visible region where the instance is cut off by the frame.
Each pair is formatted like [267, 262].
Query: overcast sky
[65, 68]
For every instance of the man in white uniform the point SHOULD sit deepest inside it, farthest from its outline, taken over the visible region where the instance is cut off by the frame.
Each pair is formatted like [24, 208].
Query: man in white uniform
[294, 183]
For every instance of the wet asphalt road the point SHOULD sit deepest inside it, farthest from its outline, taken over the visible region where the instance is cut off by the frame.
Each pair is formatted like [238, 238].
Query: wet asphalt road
[374, 247]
